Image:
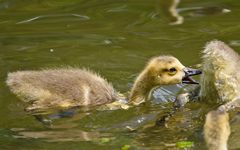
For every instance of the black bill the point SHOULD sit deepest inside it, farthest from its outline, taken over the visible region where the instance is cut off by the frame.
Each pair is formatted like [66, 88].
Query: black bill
[188, 73]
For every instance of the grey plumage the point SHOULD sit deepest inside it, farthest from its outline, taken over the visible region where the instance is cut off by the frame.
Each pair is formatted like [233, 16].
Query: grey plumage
[60, 88]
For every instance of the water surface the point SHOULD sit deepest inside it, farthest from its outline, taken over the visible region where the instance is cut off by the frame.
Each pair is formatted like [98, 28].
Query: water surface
[114, 38]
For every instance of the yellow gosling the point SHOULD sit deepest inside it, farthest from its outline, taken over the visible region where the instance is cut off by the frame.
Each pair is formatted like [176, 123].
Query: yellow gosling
[69, 87]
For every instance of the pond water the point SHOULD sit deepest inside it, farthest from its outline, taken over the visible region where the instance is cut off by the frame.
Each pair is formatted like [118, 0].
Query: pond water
[114, 38]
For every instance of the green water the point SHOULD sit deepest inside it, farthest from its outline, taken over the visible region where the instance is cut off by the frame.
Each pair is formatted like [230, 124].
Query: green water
[115, 38]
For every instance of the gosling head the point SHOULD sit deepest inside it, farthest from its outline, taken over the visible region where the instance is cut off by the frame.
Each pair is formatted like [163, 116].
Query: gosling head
[167, 70]
[162, 70]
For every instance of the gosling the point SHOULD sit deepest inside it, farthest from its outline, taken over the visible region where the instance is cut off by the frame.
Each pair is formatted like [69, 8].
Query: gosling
[220, 84]
[221, 79]
[70, 87]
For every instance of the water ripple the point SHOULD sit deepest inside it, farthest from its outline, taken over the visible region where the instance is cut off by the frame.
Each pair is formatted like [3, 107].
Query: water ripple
[81, 17]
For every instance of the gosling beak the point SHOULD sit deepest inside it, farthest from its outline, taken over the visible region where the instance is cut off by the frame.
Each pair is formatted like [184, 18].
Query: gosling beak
[188, 73]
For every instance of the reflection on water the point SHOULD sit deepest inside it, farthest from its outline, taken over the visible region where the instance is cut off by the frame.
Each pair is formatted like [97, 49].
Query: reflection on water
[60, 136]
[62, 16]
[170, 9]
[114, 38]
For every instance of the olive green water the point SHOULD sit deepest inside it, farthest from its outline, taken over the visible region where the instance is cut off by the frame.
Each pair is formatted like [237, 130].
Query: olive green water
[114, 38]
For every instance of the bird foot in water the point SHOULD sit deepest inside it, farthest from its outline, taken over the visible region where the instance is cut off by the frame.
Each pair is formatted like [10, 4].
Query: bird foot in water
[44, 121]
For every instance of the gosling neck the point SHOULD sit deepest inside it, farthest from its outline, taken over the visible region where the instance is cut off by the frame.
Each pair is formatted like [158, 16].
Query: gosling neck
[142, 88]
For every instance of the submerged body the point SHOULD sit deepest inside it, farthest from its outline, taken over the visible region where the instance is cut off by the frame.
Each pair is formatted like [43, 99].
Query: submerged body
[69, 87]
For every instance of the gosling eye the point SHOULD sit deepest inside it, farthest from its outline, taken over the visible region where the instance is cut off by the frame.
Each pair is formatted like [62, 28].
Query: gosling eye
[172, 71]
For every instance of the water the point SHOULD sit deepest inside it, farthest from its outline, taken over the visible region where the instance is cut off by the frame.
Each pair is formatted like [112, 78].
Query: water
[115, 39]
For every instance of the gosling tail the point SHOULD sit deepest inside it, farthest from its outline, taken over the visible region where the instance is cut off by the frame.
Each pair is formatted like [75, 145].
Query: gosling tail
[217, 130]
